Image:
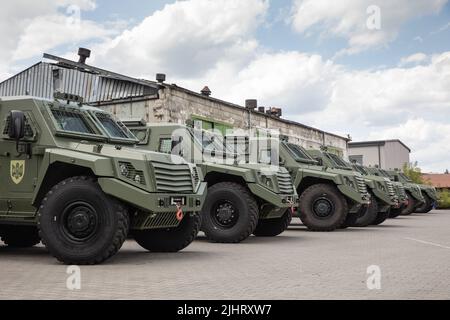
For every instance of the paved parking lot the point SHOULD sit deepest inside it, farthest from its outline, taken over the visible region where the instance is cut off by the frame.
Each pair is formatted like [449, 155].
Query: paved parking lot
[412, 253]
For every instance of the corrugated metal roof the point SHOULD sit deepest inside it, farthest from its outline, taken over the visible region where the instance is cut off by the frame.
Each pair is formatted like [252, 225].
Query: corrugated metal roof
[93, 87]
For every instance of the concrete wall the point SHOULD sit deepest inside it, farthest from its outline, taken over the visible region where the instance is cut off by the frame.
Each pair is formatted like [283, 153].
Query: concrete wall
[177, 105]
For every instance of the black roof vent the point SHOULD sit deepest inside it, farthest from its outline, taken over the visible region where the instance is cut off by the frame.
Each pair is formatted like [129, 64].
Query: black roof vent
[251, 104]
[84, 54]
[206, 91]
[160, 77]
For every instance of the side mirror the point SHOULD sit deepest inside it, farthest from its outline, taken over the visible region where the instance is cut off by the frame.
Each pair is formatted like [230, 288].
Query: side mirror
[17, 131]
[319, 161]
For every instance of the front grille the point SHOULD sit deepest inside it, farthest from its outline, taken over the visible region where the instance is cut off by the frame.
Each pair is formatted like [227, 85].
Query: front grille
[361, 185]
[391, 190]
[173, 178]
[143, 221]
[285, 182]
[195, 176]
[401, 192]
[131, 173]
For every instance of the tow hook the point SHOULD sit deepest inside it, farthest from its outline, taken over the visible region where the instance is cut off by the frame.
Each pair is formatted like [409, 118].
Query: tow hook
[291, 203]
[180, 214]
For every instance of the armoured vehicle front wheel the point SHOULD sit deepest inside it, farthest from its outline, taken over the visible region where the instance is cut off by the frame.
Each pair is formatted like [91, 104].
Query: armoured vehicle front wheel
[381, 217]
[426, 206]
[19, 236]
[273, 227]
[79, 224]
[170, 240]
[369, 216]
[230, 213]
[412, 203]
[323, 208]
[395, 212]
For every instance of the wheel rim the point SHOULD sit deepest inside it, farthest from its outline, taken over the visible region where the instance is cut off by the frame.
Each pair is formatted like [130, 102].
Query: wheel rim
[323, 208]
[79, 221]
[224, 214]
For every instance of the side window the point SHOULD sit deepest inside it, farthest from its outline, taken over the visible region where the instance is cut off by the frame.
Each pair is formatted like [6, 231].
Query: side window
[165, 145]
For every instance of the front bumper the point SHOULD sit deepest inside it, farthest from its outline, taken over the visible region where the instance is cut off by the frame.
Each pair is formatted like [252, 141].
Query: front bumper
[276, 199]
[354, 195]
[154, 202]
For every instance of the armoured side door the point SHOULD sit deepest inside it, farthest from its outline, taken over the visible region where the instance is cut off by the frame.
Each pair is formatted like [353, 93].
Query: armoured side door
[18, 168]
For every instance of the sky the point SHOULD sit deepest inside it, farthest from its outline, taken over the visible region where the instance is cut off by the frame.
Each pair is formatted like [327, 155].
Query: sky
[374, 69]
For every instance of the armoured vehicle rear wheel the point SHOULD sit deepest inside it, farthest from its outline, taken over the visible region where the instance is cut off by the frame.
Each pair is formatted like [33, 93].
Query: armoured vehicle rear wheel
[273, 227]
[323, 208]
[79, 224]
[19, 236]
[230, 213]
[369, 216]
[424, 207]
[381, 217]
[410, 207]
[172, 239]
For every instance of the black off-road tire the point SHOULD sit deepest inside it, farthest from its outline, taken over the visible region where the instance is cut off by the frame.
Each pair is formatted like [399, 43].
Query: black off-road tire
[425, 207]
[20, 236]
[273, 227]
[65, 209]
[246, 213]
[330, 194]
[171, 239]
[350, 220]
[395, 212]
[412, 203]
[369, 216]
[381, 217]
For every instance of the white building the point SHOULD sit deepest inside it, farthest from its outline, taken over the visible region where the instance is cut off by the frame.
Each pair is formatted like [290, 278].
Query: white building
[386, 154]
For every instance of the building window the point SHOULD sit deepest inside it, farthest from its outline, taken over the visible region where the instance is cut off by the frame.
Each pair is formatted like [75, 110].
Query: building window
[357, 158]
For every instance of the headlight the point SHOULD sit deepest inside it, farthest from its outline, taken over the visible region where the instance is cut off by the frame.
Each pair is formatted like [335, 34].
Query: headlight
[265, 180]
[124, 170]
[349, 182]
[381, 186]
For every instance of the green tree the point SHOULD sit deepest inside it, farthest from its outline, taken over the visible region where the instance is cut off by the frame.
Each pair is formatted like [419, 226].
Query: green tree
[444, 199]
[446, 171]
[413, 171]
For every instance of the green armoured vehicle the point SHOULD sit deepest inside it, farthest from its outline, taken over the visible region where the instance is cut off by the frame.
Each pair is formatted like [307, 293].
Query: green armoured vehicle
[399, 190]
[430, 196]
[384, 196]
[329, 198]
[415, 196]
[72, 178]
[242, 198]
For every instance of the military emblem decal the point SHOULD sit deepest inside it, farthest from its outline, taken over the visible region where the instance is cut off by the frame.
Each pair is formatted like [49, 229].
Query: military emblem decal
[17, 171]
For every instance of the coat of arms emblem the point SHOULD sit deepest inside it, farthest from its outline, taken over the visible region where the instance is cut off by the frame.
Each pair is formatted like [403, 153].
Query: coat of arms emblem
[17, 170]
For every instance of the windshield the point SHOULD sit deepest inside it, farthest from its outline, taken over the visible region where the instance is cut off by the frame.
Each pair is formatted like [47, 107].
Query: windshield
[338, 161]
[404, 177]
[361, 170]
[210, 141]
[298, 152]
[114, 129]
[72, 121]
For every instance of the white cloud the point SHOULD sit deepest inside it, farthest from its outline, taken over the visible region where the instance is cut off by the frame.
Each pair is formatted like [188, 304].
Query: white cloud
[347, 19]
[187, 38]
[27, 28]
[413, 59]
